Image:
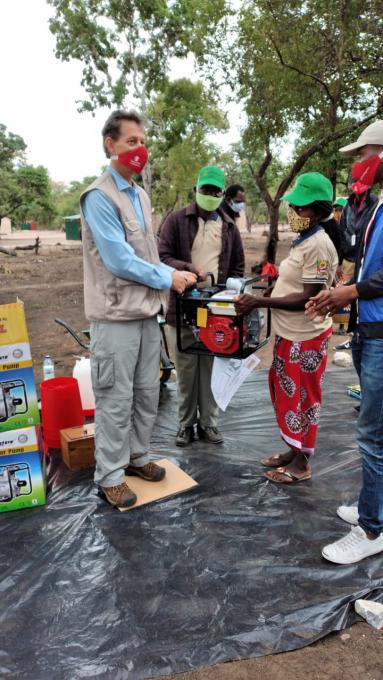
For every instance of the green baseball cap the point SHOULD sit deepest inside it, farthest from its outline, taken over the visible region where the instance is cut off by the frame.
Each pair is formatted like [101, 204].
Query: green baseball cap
[340, 201]
[210, 174]
[310, 187]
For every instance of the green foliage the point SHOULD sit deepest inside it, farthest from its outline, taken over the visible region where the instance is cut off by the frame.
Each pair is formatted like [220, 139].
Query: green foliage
[25, 194]
[181, 109]
[125, 45]
[181, 117]
[67, 198]
[310, 70]
[12, 148]
[25, 190]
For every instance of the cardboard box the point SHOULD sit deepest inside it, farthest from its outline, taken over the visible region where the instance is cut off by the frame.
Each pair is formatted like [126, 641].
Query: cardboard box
[13, 326]
[18, 399]
[23, 440]
[77, 447]
[15, 356]
[22, 481]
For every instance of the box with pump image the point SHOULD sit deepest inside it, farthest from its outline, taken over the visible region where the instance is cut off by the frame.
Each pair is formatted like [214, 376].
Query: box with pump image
[18, 399]
[22, 470]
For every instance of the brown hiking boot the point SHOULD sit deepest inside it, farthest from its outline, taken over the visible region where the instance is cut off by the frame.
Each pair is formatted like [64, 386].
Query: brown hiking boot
[151, 472]
[120, 496]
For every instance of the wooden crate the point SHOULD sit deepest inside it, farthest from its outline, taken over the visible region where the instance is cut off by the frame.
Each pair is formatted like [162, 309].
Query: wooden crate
[77, 447]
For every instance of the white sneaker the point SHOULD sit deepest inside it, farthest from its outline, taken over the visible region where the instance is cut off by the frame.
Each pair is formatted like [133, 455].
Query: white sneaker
[349, 513]
[353, 547]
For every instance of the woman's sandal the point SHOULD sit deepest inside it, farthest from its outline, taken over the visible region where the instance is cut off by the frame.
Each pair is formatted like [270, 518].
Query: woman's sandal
[290, 477]
[276, 461]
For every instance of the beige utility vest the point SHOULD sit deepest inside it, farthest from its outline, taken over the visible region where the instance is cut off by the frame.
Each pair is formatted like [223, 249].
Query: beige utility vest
[108, 297]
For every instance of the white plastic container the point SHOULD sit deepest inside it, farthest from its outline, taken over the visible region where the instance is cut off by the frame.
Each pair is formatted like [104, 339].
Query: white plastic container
[220, 303]
[81, 372]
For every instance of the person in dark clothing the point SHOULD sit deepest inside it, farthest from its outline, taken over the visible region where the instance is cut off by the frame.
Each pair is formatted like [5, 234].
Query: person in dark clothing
[329, 223]
[365, 293]
[355, 215]
[234, 201]
[200, 238]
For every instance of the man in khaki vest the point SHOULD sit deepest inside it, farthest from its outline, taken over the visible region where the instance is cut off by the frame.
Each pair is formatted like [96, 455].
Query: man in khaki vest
[125, 286]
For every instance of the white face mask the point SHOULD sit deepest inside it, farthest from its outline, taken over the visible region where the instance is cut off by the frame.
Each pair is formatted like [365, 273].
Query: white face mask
[237, 207]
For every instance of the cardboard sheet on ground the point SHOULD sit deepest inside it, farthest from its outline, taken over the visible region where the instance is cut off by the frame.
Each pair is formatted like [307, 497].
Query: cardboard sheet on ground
[176, 481]
[228, 376]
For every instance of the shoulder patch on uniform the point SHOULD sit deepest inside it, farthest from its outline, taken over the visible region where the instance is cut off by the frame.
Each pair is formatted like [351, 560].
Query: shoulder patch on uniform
[322, 266]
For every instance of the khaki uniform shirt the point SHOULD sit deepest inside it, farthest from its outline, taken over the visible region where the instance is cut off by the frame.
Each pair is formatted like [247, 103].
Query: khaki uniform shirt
[207, 246]
[314, 260]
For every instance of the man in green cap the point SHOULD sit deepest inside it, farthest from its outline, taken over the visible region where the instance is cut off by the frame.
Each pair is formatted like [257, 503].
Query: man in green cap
[199, 238]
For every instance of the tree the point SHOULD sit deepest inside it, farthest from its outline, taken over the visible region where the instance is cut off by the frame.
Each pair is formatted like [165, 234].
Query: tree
[25, 190]
[312, 69]
[125, 46]
[182, 116]
[12, 148]
[26, 194]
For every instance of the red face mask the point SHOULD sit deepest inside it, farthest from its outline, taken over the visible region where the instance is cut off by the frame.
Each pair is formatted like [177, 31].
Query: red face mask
[134, 159]
[364, 172]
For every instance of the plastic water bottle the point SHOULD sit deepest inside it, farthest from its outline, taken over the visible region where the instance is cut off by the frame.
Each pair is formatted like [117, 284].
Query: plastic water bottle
[48, 367]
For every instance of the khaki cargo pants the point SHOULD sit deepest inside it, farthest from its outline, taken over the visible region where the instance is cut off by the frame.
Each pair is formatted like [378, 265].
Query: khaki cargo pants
[125, 366]
[195, 398]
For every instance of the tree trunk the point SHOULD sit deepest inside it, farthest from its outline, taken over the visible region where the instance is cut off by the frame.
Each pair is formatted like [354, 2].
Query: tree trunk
[272, 243]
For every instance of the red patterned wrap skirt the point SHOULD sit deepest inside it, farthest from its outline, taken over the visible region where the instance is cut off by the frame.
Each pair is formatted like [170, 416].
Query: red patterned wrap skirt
[295, 382]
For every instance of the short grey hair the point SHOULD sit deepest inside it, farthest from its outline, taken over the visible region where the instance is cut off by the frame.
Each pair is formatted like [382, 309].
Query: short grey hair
[112, 125]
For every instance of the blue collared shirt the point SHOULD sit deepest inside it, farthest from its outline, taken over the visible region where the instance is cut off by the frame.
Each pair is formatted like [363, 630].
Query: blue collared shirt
[116, 254]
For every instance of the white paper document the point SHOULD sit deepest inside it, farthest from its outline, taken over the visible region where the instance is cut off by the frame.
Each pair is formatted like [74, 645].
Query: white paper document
[228, 375]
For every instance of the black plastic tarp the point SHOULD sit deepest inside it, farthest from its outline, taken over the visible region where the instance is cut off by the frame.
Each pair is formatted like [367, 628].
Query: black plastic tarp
[229, 570]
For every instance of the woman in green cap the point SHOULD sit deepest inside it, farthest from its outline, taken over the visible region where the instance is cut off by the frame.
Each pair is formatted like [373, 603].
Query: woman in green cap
[300, 351]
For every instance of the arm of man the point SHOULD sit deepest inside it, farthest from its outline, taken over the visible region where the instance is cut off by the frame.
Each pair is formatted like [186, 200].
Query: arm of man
[116, 254]
[329, 301]
[167, 247]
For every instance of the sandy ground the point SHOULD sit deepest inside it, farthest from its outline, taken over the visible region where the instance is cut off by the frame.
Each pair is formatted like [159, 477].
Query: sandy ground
[50, 284]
